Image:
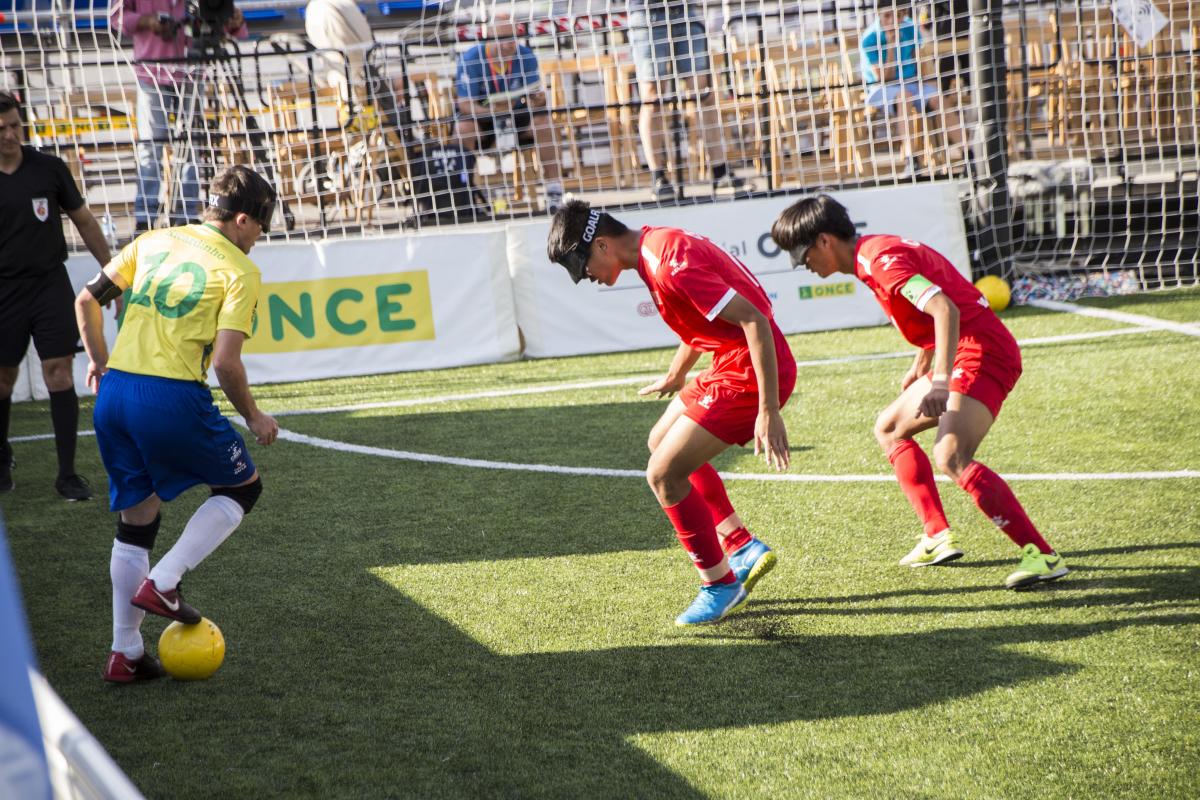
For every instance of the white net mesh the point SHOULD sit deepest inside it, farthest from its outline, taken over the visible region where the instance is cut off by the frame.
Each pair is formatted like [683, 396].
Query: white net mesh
[1072, 129]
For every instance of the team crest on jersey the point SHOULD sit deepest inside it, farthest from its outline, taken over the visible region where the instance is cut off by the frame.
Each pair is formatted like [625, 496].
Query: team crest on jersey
[41, 208]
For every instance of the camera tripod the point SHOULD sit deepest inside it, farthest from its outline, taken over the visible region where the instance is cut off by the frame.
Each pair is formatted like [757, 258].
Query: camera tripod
[210, 98]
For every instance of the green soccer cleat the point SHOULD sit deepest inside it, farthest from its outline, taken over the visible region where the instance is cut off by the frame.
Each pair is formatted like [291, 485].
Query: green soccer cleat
[1036, 566]
[932, 550]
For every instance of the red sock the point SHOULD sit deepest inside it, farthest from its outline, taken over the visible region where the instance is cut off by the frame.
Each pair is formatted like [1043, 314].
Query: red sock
[915, 474]
[695, 530]
[732, 542]
[708, 483]
[997, 501]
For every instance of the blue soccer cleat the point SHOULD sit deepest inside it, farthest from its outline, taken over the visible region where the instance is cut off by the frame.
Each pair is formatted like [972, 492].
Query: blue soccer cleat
[713, 604]
[751, 562]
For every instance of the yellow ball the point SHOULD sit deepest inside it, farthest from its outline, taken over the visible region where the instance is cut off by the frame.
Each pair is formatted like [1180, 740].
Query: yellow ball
[191, 652]
[996, 291]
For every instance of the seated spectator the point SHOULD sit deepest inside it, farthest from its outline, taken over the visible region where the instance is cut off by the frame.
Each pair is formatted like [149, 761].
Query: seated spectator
[888, 61]
[339, 29]
[497, 83]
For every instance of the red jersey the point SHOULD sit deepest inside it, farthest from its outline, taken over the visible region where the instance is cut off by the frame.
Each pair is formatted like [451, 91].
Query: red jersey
[904, 274]
[691, 281]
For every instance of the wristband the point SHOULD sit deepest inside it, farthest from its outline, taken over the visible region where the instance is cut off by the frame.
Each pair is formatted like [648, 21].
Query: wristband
[943, 378]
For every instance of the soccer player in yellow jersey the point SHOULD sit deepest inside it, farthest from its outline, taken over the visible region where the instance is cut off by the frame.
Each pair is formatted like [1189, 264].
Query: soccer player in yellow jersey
[191, 304]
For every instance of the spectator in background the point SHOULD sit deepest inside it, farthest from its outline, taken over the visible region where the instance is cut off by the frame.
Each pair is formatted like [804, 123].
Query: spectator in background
[341, 26]
[159, 31]
[35, 291]
[888, 61]
[497, 83]
[669, 47]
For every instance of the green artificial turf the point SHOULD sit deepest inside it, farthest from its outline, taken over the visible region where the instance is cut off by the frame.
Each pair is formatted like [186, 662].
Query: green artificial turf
[403, 629]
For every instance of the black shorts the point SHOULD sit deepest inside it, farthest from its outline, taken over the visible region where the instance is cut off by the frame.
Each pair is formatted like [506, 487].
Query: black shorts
[41, 307]
[517, 118]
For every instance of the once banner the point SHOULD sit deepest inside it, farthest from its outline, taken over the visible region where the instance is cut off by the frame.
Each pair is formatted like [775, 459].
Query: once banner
[359, 307]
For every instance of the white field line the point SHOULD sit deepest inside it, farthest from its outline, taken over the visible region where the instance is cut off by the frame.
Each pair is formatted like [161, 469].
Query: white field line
[347, 447]
[476, 463]
[601, 472]
[1188, 329]
[38, 437]
[567, 387]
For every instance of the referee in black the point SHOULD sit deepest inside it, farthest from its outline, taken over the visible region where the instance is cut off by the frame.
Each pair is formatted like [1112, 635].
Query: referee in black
[36, 298]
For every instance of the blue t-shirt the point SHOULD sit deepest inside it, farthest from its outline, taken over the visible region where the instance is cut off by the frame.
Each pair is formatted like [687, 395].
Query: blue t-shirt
[477, 77]
[874, 44]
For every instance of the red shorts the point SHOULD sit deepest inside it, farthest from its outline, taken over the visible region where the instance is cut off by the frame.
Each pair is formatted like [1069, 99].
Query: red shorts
[724, 398]
[986, 367]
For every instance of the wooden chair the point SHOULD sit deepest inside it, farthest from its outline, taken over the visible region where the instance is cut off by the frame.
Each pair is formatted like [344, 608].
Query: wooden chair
[320, 155]
[1158, 86]
[741, 83]
[1083, 108]
[798, 81]
[578, 121]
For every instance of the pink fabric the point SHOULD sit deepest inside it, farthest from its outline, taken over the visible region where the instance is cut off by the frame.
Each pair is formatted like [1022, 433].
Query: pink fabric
[123, 17]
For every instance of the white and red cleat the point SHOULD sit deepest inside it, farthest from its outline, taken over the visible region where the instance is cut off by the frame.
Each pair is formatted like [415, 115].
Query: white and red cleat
[122, 669]
[168, 603]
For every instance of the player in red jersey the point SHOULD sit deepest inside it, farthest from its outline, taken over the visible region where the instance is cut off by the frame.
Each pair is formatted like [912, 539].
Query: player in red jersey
[966, 364]
[717, 306]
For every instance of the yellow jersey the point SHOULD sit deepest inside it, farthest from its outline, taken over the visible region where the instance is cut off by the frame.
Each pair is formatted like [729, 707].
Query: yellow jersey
[185, 284]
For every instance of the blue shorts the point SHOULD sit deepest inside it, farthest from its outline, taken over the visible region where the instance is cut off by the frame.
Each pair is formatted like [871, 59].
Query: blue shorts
[163, 436]
[667, 44]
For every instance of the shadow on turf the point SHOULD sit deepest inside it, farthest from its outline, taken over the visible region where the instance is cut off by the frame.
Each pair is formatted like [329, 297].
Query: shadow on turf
[1087, 586]
[1071, 555]
[455, 719]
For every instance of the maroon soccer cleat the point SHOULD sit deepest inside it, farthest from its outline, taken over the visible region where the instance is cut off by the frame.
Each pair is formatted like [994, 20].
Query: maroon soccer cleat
[167, 604]
[121, 669]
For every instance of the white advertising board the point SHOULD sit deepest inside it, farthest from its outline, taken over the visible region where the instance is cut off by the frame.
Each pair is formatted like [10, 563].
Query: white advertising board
[356, 307]
[558, 318]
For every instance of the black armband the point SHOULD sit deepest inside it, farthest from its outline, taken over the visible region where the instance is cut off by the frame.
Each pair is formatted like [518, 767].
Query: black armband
[103, 289]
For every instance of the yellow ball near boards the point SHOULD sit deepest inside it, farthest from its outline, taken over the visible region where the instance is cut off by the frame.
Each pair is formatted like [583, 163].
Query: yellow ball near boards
[996, 290]
[191, 652]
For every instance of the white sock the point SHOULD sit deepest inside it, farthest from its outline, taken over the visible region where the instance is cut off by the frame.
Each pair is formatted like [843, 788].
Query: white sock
[127, 567]
[212, 523]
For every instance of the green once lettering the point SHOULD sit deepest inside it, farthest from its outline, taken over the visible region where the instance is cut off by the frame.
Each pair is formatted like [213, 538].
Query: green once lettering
[331, 312]
[387, 309]
[141, 297]
[189, 301]
[303, 321]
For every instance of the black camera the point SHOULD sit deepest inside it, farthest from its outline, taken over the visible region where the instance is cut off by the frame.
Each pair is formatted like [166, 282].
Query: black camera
[212, 14]
[206, 20]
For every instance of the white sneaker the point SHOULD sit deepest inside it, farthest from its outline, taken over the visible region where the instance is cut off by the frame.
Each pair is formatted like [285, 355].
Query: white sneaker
[932, 550]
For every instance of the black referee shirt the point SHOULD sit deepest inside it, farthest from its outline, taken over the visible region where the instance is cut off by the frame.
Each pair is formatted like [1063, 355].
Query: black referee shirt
[32, 200]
